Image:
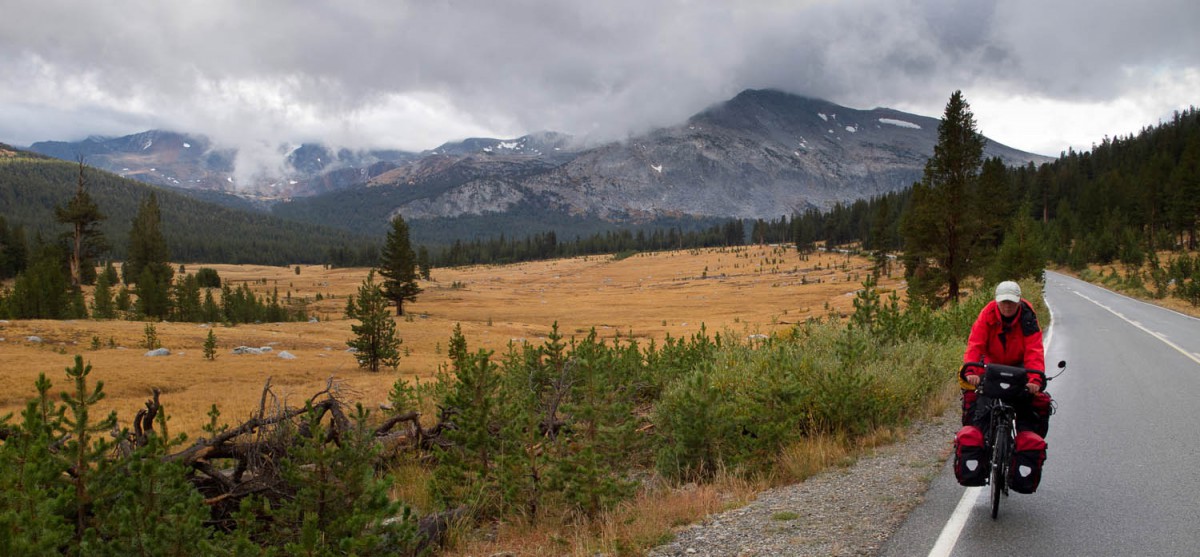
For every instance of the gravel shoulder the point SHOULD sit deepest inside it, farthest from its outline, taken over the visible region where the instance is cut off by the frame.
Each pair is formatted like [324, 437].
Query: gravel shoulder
[840, 512]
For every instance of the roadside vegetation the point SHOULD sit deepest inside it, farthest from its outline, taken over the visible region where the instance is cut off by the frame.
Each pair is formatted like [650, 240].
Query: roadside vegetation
[571, 446]
[1168, 279]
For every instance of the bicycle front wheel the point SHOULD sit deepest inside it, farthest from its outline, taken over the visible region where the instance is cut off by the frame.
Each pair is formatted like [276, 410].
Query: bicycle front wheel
[999, 468]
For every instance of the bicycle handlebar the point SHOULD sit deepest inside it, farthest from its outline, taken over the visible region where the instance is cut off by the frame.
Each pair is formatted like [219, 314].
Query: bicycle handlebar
[962, 371]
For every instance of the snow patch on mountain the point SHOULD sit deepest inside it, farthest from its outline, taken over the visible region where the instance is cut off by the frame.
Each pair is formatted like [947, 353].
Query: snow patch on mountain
[899, 123]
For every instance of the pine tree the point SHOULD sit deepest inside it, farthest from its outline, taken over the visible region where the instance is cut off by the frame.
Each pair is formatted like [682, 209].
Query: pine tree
[466, 473]
[85, 447]
[423, 263]
[210, 310]
[210, 346]
[42, 291]
[375, 339]
[102, 299]
[941, 229]
[150, 337]
[78, 307]
[110, 273]
[85, 239]
[147, 247]
[587, 470]
[149, 506]
[153, 294]
[122, 300]
[185, 295]
[398, 266]
[34, 500]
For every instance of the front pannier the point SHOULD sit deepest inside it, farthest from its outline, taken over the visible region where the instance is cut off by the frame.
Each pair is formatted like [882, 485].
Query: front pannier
[1043, 407]
[1026, 471]
[971, 465]
[1004, 382]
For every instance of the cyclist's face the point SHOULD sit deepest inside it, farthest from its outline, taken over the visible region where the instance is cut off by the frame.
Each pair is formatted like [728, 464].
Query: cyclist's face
[1007, 308]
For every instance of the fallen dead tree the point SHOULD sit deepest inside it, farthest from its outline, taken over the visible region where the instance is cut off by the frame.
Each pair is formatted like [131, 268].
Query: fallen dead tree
[247, 460]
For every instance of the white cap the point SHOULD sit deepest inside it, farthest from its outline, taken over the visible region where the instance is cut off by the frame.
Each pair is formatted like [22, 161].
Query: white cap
[1008, 291]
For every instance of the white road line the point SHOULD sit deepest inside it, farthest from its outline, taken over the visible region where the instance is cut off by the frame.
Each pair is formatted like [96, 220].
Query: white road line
[1130, 298]
[944, 546]
[958, 520]
[1158, 336]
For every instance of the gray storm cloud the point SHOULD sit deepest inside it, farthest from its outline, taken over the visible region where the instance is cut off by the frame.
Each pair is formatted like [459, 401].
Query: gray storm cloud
[412, 75]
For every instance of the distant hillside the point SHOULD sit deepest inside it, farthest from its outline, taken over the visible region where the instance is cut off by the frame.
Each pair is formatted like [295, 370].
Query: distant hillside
[31, 187]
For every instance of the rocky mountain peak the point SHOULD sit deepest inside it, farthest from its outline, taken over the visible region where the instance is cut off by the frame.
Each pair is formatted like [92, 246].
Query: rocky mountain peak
[762, 154]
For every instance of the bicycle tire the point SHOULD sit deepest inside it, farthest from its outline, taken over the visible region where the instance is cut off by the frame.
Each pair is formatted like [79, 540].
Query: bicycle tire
[999, 466]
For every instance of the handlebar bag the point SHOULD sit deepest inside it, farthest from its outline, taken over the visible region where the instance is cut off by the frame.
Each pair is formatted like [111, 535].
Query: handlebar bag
[1004, 382]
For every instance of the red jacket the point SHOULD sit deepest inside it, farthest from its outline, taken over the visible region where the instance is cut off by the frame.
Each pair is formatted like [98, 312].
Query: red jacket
[1018, 344]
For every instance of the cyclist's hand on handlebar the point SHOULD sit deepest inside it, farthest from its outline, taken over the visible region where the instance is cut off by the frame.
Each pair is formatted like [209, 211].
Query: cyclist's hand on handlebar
[1033, 388]
[973, 380]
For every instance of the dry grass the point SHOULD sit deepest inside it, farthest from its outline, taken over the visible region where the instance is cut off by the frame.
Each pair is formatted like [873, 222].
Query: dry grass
[804, 459]
[746, 290]
[642, 522]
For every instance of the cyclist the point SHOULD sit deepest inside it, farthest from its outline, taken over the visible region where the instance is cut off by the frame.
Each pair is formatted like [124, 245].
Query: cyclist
[1006, 332]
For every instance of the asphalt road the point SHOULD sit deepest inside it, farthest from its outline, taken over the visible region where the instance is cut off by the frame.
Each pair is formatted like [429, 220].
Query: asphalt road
[1122, 475]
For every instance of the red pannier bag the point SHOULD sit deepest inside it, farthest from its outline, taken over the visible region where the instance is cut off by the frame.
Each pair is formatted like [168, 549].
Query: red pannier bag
[1043, 407]
[971, 464]
[1027, 462]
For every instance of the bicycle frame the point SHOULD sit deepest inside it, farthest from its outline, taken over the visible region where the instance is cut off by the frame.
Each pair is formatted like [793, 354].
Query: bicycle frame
[1001, 439]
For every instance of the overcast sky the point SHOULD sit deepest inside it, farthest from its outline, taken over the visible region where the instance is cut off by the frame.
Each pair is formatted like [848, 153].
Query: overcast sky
[1039, 75]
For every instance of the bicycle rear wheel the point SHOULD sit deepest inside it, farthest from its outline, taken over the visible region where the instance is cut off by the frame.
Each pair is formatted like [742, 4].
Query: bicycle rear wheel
[999, 467]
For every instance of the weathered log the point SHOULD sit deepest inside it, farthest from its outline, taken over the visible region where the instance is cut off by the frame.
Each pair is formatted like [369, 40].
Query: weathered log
[386, 427]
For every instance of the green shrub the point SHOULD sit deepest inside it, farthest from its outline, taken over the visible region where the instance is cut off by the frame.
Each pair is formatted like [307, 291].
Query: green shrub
[150, 337]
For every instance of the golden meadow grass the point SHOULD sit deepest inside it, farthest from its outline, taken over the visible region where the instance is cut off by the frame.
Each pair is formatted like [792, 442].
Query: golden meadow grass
[744, 291]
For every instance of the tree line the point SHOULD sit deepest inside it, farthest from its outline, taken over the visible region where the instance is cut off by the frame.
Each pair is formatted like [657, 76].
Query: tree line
[546, 245]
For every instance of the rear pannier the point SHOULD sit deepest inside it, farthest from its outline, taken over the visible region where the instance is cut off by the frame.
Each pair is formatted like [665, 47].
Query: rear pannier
[971, 464]
[1027, 462]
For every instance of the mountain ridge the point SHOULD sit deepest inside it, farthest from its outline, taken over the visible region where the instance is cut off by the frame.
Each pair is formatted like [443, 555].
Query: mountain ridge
[762, 154]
